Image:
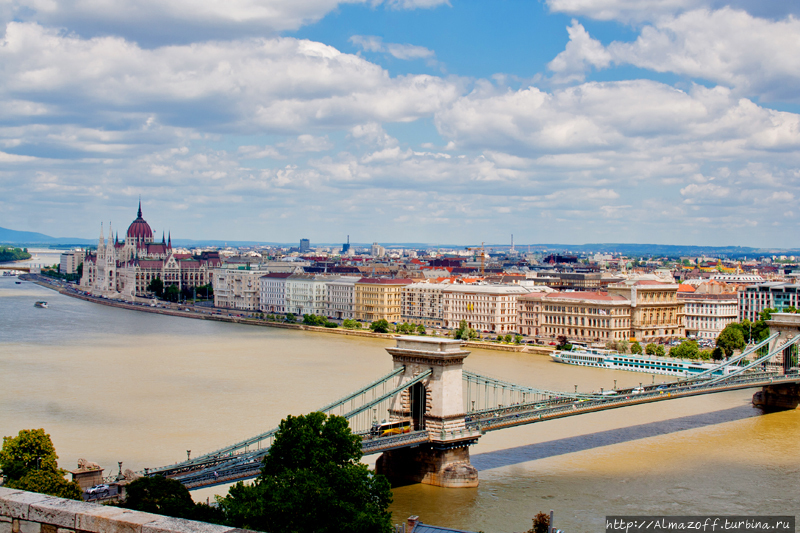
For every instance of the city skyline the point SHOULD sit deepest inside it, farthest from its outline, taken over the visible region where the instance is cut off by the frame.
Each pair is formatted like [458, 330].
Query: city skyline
[405, 120]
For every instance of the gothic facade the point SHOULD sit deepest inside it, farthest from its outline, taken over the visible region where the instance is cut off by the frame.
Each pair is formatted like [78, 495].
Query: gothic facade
[124, 269]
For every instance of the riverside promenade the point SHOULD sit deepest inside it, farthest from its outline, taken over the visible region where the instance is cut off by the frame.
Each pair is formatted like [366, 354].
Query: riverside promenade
[243, 317]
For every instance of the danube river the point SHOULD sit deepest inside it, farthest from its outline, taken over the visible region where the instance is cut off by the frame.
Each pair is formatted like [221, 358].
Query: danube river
[114, 385]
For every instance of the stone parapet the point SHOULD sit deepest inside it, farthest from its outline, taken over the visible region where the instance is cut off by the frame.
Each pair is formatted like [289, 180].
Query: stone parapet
[30, 512]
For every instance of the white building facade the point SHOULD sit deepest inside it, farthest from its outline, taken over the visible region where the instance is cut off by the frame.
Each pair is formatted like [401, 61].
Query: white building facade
[485, 308]
[272, 292]
[708, 314]
[340, 297]
[305, 294]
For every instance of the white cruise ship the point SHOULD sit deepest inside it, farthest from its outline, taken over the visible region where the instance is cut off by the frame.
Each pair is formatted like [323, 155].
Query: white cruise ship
[599, 358]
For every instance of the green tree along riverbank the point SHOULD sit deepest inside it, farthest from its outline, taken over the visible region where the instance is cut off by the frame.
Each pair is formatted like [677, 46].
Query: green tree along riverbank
[7, 253]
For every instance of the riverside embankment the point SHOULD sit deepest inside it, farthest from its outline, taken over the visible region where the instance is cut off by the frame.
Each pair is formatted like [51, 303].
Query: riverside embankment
[236, 316]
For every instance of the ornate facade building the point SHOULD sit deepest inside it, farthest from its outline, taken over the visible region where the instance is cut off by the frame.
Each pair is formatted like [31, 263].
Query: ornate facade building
[124, 269]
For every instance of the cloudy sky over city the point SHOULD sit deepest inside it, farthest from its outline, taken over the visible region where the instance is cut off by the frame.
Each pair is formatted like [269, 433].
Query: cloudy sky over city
[439, 121]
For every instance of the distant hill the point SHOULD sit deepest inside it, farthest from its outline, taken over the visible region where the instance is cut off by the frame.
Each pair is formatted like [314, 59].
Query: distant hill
[10, 236]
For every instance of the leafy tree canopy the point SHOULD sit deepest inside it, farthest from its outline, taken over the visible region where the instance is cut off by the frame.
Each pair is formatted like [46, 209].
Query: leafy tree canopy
[541, 524]
[29, 461]
[636, 348]
[686, 350]
[48, 482]
[731, 338]
[31, 449]
[380, 326]
[156, 286]
[351, 324]
[464, 332]
[172, 293]
[168, 497]
[8, 253]
[312, 481]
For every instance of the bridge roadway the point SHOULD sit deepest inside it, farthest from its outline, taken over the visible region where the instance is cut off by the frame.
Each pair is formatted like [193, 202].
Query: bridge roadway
[247, 465]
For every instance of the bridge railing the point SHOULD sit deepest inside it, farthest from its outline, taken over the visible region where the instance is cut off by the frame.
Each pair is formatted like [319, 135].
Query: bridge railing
[483, 392]
[733, 361]
[760, 360]
[490, 420]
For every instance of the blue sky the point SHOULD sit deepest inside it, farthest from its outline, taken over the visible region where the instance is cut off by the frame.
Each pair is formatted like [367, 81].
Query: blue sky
[572, 121]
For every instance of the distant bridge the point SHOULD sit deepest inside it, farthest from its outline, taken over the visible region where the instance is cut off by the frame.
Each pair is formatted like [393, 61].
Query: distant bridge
[449, 408]
[11, 266]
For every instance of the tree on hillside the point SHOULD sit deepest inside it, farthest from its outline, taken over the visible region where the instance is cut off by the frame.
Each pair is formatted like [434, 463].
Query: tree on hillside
[29, 462]
[168, 497]
[636, 348]
[312, 481]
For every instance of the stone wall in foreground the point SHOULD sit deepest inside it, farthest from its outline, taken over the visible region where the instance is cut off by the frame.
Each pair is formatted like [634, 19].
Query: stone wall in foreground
[29, 512]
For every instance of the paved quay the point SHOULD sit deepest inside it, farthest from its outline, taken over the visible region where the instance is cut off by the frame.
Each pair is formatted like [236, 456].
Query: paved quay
[238, 317]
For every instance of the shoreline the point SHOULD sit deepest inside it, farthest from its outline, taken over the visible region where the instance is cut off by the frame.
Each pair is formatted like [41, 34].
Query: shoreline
[183, 311]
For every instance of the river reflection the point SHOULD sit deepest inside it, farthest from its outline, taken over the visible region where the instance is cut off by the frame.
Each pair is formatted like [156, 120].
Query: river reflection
[113, 385]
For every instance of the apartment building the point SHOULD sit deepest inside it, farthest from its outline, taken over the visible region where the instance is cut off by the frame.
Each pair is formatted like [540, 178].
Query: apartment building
[340, 297]
[272, 292]
[379, 298]
[237, 288]
[306, 294]
[485, 308]
[584, 316]
[423, 303]
[708, 314]
[70, 261]
[774, 294]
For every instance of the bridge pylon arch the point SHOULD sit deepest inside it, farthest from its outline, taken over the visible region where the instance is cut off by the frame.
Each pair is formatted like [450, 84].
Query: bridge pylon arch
[437, 406]
[783, 396]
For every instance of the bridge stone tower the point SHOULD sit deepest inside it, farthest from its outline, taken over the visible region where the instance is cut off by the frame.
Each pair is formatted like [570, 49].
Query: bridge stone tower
[786, 396]
[436, 405]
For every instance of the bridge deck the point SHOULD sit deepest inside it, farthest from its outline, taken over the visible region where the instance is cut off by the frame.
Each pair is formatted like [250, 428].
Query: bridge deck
[247, 465]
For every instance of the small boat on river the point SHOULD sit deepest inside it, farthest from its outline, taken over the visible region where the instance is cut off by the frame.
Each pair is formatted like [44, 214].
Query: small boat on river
[41, 304]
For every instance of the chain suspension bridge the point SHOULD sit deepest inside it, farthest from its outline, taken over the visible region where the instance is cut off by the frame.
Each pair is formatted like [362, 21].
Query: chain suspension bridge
[436, 409]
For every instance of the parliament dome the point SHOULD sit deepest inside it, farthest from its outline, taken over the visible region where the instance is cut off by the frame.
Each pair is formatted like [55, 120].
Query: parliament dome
[139, 230]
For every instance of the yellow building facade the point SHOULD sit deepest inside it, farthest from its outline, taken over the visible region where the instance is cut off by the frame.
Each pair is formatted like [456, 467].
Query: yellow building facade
[379, 298]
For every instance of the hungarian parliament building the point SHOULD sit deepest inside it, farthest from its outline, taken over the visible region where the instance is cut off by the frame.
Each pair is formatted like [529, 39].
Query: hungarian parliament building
[124, 269]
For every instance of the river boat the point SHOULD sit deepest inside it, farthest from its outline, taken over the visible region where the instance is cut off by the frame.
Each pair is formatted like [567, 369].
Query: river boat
[600, 358]
[41, 304]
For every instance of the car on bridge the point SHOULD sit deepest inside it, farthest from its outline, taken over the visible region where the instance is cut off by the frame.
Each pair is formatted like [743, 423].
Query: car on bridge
[98, 490]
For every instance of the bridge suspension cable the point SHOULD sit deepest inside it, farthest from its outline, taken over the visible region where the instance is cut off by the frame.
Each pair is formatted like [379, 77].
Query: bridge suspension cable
[731, 361]
[484, 392]
[757, 361]
[236, 457]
